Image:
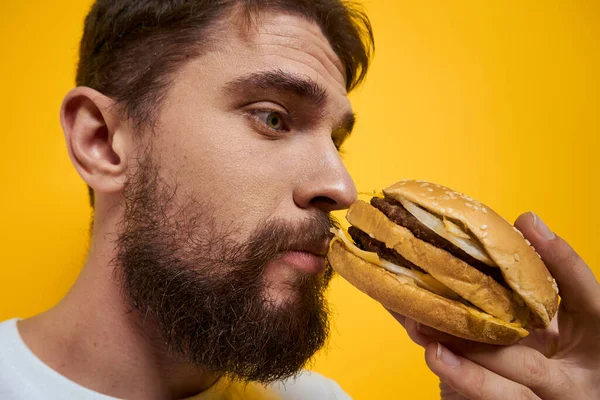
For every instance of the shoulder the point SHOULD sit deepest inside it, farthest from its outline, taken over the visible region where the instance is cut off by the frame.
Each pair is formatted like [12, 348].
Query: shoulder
[309, 385]
[305, 386]
[9, 337]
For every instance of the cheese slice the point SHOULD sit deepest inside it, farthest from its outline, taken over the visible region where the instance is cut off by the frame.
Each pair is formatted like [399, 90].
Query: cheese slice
[423, 280]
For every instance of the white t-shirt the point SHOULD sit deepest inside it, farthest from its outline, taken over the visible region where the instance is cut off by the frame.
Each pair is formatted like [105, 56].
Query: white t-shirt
[23, 376]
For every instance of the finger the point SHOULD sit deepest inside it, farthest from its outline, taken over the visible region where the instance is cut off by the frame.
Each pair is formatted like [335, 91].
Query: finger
[472, 380]
[523, 365]
[422, 334]
[544, 341]
[448, 393]
[410, 326]
[518, 362]
[579, 288]
[413, 328]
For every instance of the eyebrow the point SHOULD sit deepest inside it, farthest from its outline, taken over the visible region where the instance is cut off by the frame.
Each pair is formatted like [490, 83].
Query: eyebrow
[280, 80]
[295, 84]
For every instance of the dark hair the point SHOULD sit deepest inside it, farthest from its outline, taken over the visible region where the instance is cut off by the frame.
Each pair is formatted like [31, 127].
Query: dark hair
[130, 48]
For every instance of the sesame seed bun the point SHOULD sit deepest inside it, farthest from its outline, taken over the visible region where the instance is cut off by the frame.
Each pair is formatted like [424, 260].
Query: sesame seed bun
[404, 297]
[521, 266]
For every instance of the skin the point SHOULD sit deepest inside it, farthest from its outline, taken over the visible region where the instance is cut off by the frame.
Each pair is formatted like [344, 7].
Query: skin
[289, 173]
[561, 362]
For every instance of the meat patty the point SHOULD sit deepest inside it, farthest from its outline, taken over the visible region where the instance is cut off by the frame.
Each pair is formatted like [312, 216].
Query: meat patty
[397, 213]
[367, 243]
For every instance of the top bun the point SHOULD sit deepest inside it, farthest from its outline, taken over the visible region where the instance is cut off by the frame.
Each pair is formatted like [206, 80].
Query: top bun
[522, 268]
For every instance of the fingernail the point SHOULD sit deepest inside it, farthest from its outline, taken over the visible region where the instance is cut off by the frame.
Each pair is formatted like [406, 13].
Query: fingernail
[447, 357]
[541, 228]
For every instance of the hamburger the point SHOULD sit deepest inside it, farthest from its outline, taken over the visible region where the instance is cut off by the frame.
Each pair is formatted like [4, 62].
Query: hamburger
[447, 261]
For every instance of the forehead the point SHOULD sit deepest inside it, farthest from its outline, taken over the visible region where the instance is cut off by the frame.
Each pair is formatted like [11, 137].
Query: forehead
[273, 41]
[298, 40]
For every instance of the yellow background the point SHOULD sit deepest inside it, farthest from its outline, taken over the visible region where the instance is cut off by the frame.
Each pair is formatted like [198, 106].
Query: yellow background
[497, 99]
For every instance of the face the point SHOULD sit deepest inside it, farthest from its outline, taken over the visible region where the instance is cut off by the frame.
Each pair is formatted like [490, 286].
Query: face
[226, 222]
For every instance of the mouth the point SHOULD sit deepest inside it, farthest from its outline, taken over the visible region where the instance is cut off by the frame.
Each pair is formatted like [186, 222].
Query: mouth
[308, 258]
[303, 261]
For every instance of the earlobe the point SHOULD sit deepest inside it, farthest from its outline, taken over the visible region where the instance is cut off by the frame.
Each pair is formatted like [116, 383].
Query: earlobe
[97, 139]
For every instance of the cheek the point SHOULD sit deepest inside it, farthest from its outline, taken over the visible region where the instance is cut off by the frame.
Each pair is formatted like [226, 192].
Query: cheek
[222, 161]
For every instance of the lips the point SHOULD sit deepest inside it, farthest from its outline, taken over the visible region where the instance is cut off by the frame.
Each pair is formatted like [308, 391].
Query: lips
[303, 261]
[309, 257]
[302, 246]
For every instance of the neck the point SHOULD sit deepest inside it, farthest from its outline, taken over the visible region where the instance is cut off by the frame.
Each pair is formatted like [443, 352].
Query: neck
[93, 338]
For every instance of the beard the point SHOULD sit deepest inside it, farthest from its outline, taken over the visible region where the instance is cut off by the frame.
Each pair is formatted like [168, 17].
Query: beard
[205, 292]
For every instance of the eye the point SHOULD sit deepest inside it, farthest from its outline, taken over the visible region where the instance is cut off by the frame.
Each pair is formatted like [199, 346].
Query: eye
[272, 119]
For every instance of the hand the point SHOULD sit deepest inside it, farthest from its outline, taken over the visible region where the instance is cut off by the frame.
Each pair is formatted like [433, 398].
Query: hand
[561, 362]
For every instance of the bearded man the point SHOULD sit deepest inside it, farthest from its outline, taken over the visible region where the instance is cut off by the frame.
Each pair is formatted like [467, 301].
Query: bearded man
[208, 133]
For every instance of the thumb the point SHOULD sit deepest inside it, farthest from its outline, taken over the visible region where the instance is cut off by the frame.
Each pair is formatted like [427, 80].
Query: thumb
[579, 289]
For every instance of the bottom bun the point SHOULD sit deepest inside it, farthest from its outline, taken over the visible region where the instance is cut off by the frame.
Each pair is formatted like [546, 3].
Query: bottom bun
[402, 296]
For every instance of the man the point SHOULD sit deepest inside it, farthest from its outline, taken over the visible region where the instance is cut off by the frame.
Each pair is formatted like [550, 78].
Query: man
[208, 133]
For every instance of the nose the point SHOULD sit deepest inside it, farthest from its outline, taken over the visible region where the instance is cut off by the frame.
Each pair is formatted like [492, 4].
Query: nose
[326, 186]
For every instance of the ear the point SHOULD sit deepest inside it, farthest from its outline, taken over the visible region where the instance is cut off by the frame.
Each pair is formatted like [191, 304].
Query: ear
[97, 139]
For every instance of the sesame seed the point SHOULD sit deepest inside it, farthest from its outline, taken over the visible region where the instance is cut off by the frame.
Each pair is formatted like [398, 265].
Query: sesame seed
[538, 254]
[468, 204]
[484, 234]
[446, 197]
[425, 184]
[517, 257]
[430, 189]
[528, 242]
[484, 227]
[435, 203]
[438, 185]
[484, 210]
[450, 210]
[443, 210]
[476, 208]
[549, 278]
